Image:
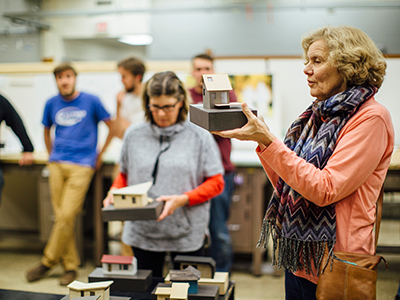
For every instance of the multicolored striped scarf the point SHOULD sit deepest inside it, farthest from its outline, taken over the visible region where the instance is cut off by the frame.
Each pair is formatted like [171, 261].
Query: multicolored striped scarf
[300, 229]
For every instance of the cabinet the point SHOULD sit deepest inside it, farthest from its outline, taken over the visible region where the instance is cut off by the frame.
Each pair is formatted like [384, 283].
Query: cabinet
[26, 203]
[251, 193]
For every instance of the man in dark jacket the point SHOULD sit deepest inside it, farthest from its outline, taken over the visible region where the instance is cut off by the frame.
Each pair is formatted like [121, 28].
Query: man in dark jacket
[13, 120]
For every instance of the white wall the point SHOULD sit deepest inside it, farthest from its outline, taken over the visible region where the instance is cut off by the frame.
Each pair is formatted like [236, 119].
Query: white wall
[28, 94]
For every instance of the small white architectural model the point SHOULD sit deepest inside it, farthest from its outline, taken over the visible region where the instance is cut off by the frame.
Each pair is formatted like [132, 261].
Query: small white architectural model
[78, 289]
[119, 265]
[177, 291]
[220, 279]
[132, 196]
[216, 89]
[163, 293]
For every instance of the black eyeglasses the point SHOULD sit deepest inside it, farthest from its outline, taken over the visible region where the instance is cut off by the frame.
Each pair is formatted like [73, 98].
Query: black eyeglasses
[165, 108]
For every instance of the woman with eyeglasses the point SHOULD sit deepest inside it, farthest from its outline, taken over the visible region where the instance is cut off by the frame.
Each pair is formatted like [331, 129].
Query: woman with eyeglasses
[183, 162]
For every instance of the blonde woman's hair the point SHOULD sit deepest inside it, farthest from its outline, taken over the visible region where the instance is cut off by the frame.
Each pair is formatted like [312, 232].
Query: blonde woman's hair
[168, 84]
[355, 55]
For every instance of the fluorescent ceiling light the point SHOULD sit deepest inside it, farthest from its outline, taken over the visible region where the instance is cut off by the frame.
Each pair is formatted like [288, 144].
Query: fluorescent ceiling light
[136, 39]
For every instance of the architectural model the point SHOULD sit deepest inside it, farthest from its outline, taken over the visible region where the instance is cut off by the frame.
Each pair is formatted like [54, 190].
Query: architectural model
[217, 112]
[119, 265]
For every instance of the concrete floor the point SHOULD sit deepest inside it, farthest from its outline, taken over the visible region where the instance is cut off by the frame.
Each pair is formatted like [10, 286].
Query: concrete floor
[17, 255]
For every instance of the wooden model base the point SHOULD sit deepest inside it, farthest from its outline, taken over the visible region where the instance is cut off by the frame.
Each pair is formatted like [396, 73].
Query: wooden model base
[111, 298]
[205, 292]
[214, 119]
[139, 282]
[149, 212]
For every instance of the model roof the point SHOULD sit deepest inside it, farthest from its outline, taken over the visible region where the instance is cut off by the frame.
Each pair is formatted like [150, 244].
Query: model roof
[195, 259]
[217, 82]
[188, 274]
[163, 291]
[116, 259]
[179, 291]
[78, 285]
[137, 189]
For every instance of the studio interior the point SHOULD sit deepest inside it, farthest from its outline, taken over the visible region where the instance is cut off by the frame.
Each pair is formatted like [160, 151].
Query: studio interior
[107, 100]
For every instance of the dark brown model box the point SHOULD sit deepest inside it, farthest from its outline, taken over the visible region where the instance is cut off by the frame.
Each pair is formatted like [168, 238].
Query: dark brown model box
[149, 212]
[217, 119]
[139, 282]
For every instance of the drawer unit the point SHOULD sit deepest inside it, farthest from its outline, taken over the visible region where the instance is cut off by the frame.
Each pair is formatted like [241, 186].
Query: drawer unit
[247, 211]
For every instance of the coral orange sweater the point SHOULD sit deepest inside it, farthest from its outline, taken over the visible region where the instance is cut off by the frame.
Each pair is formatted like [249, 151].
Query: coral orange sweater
[352, 177]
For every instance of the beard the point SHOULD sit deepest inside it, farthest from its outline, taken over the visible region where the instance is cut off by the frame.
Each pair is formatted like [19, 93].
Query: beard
[130, 90]
[69, 94]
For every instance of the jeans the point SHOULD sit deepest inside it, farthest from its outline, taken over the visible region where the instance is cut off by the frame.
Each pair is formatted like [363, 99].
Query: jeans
[298, 288]
[221, 244]
[398, 290]
[1, 183]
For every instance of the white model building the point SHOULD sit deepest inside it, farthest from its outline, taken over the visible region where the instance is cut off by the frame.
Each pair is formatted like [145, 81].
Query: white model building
[132, 196]
[177, 291]
[81, 289]
[216, 89]
[119, 265]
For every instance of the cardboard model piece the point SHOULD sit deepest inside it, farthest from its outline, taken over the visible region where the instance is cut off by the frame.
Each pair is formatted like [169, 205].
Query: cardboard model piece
[81, 289]
[206, 265]
[177, 291]
[220, 279]
[190, 275]
[132, 196]
[119, 265]
[139, 282]
[132, 203]
[216, 89]
[217, 112]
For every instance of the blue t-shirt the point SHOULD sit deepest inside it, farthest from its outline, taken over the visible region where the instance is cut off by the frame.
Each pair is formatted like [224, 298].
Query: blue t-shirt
[75, 127]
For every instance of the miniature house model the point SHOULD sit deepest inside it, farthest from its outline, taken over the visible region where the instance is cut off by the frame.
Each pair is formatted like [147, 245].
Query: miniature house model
[216, 89]
[189, 275]
[177, 291]
[206, 265]
[119, 265]
[79, 289]
[217, 112]
[220, 279]
[132, 196]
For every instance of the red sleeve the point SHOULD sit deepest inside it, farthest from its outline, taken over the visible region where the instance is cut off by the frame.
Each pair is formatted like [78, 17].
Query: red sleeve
[120, 181]
[210, 188]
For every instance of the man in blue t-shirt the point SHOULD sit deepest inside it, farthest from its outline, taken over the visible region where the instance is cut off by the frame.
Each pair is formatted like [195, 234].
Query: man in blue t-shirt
[73, 158]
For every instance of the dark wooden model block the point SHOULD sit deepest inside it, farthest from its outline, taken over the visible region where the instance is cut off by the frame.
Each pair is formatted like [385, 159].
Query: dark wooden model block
[217, 119]
[205, 292]
[139, 282]
[149, 212]
[111, 298]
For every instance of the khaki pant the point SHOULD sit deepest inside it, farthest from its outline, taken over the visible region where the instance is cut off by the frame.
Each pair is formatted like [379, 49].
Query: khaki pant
[68, 186]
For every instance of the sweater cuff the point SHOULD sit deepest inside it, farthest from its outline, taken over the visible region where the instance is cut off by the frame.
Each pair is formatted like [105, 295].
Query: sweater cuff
[210, 188]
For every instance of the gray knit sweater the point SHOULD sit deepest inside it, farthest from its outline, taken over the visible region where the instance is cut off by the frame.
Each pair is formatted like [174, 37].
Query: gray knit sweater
[191, 156]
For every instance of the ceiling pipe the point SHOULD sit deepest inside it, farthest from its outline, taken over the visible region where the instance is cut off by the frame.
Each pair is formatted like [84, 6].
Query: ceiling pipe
[217, 7]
